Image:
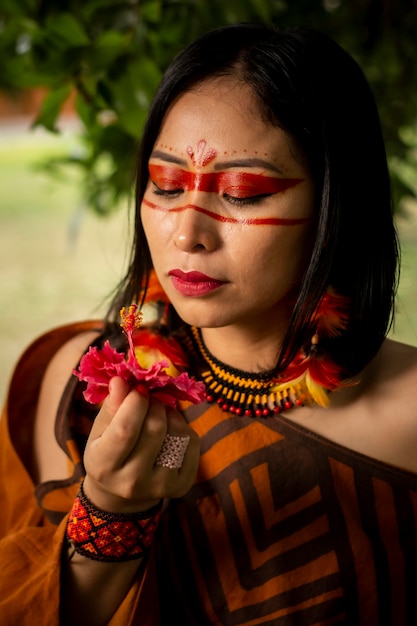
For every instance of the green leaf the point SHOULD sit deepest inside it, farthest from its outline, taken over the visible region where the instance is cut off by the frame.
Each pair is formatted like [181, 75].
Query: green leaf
[84, 110]
[106, 49]
[134, 85]
[66, 32]
[132, 121]
[51, 107]
[151, 11]
[114, 51]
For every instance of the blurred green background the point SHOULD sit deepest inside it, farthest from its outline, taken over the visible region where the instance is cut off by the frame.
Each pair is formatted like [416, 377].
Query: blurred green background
[66, 160]
[58, 262]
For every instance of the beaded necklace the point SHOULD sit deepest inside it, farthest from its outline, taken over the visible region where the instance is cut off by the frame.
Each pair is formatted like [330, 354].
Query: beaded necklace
[247, 394]
[307, 380]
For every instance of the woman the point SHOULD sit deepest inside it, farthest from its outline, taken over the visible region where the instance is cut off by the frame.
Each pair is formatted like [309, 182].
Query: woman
[290, 491]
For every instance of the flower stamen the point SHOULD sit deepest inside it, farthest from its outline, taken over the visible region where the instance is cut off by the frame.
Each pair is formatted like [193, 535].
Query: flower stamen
[131, 321]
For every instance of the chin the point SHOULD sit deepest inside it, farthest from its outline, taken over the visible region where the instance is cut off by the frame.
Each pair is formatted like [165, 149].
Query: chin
[200, 316]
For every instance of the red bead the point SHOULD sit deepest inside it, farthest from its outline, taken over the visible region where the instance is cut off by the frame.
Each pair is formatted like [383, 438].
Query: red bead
[287, 404]
[210, 398]
[225, 407]
[277, 409]
[238, 411]
[258, 412]
[248, 413]
[232, 409]
[265, 412]
[299, 403]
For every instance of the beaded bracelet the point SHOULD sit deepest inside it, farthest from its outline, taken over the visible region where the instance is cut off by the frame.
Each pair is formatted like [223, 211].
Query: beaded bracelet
[110, 537]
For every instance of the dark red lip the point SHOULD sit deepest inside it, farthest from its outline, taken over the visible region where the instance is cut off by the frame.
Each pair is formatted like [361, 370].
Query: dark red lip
[194, 283]
[192, 277]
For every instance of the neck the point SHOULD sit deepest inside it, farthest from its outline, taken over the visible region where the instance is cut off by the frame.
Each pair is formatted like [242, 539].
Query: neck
[235, 347]
[259, 393]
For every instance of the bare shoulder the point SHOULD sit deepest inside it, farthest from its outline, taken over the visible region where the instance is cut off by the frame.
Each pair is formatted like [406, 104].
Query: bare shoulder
[390, 382]
[377, 416]
[395, 367]
[390, 396]
[50, 460]
[67, 357]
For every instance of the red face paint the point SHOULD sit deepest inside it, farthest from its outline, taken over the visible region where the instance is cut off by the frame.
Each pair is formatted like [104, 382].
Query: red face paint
[273, 221]
[236, 184]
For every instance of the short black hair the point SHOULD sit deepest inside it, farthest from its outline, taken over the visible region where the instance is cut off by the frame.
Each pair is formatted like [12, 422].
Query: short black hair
[308, 85]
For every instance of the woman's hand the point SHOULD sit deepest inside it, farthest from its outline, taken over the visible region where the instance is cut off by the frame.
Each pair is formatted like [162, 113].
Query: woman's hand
[127, 435]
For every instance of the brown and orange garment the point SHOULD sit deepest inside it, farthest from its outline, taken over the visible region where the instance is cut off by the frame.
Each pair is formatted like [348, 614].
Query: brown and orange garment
[282, 526]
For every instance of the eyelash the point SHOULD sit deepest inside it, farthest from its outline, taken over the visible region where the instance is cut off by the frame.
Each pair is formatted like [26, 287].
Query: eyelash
[168, 193]
[249, 200]
[246, 201]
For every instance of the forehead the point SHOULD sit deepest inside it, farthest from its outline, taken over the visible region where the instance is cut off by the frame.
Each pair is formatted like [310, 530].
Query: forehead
[224, 114]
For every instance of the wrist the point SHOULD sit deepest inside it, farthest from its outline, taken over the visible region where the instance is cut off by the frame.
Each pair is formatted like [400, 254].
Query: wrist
[106, 501]
[110, 537]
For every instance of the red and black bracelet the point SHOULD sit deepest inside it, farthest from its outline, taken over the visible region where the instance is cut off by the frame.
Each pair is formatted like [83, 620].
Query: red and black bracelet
[110, 537]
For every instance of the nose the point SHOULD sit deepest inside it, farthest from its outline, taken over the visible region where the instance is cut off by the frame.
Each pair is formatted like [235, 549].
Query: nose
[196, 228]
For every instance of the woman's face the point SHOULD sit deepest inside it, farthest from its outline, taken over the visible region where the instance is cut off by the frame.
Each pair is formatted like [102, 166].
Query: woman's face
[228, 211]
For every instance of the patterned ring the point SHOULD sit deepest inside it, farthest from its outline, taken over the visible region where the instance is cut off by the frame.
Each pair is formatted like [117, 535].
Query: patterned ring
[172, 451]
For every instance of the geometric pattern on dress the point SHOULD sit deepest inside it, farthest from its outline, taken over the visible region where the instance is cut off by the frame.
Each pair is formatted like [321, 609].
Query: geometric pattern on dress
[274, 517]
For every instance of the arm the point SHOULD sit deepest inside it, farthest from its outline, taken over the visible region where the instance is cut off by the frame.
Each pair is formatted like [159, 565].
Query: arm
[32, 549]
[121, 477]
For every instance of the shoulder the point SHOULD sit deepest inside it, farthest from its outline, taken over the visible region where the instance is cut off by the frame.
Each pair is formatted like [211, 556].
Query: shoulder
[50, 461]
[394, 370]
[65, 347]
[377, 415]
[398, 349]
[389, 394]
[68, 354]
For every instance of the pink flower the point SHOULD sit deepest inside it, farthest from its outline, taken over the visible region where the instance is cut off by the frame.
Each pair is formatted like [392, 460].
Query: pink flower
[98, 367]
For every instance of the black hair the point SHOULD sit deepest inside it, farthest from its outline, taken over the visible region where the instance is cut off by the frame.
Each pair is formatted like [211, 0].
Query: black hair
[313, 89]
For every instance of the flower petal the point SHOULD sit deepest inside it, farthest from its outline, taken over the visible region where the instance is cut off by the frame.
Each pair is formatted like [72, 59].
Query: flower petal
[98, 367]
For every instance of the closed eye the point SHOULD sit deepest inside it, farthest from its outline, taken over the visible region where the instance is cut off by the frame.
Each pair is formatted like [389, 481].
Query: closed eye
[168, 193]
[246, 200]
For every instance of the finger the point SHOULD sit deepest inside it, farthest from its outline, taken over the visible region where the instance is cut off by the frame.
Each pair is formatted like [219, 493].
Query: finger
[118, 390]
[153, 431]
[176, 423]
[178, 472]
[181, 446]
[121, 435]
[189, 466]
[172, 451]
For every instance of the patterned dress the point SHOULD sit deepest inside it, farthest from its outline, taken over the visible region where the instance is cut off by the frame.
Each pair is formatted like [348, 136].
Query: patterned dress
[282, 526]
[285, 527]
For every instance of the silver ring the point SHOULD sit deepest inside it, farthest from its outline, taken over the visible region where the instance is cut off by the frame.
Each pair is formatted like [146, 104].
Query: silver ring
[172, 451]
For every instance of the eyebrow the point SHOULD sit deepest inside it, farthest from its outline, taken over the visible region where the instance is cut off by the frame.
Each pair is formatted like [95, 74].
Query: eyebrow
[165, 156]
[255, 162]
[221, 165]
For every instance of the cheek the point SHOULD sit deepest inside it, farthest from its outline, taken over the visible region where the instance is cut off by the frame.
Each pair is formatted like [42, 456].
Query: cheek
[284, 253]
[152, 234]
[154, 227]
